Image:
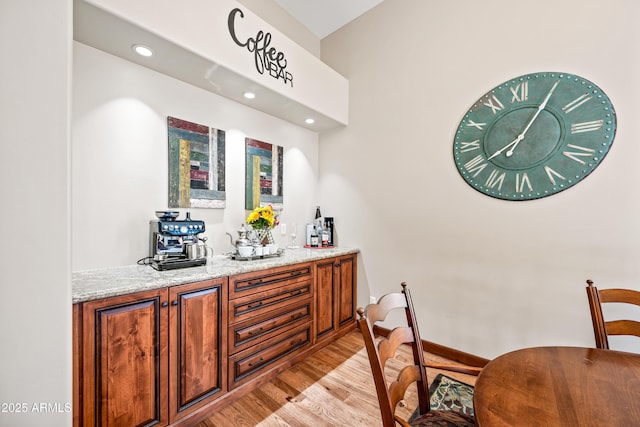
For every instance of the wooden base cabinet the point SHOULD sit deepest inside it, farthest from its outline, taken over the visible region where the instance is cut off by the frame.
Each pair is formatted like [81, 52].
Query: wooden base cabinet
[149, 358]
[172, 356]
[335, 296]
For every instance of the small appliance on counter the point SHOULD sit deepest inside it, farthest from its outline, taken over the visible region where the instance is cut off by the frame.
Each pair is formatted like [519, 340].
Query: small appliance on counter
[175, 243]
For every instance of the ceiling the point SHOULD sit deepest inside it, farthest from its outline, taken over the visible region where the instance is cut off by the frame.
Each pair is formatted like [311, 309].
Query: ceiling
[323, 17]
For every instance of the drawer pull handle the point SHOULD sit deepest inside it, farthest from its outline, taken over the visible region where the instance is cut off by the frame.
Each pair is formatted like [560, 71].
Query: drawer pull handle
[295, 342]
[257, 304]
[296, 273]
[255, 331]
[257, 362]
[296, 316]
[298, 292]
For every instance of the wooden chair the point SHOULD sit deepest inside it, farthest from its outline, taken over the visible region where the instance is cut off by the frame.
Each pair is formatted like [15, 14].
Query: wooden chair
[389, 395]
[601, 328]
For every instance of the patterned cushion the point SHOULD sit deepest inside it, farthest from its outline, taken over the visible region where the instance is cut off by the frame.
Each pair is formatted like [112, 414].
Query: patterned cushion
[436, 418]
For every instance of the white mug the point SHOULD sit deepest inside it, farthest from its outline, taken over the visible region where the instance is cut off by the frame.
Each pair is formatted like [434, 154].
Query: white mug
[258, 250]
[245, 251]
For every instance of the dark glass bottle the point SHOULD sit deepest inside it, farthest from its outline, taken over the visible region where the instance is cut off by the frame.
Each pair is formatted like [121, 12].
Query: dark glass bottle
[315, 240]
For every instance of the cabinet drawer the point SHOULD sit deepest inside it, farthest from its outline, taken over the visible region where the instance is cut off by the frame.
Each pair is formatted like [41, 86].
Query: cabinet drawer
[246, 334]
[249, 283]
[260, 303]
[251, 362]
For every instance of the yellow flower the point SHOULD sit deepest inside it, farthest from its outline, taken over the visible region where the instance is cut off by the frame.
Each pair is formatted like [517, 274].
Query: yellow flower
[262, 218]
[253, 216]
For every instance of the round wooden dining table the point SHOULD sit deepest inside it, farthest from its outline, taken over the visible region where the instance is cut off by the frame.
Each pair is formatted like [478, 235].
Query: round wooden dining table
[559, 386]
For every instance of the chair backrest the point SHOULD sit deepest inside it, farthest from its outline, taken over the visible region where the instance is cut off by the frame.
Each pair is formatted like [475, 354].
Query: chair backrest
[602, 328]
[389, 395]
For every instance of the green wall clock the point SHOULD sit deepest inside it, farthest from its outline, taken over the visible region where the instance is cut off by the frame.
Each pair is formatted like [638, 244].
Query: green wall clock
[534, 136]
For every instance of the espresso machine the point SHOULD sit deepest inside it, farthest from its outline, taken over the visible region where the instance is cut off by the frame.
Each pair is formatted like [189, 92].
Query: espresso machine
[175, 243]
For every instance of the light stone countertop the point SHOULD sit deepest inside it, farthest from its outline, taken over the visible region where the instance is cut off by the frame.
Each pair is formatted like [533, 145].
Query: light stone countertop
[90, 285]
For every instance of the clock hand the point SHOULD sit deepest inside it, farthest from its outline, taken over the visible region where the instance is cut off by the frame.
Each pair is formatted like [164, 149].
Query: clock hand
[535, 116]
[515, 141]
[513, 144]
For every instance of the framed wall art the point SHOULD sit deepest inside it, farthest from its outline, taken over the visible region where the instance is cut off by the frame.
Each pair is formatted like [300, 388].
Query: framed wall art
[196, 165]
[263, 174]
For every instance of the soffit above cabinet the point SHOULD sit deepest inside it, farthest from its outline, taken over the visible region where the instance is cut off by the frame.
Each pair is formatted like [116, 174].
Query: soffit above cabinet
[192, 42]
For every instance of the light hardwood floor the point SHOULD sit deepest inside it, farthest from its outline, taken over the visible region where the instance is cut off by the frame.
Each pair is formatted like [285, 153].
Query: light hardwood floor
[333, 387]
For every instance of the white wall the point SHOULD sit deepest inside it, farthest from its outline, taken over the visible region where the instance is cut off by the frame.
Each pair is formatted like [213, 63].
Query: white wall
[35, 308]
[119, 158]
[487, 275]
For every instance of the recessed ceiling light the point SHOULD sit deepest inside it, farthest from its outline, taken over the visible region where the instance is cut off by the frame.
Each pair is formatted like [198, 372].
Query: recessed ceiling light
[309, 121]
[142, 50]
[249, 95]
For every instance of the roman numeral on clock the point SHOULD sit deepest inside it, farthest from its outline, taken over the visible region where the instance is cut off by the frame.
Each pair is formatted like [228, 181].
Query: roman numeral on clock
[586, 126]
[573, 155]
[476, 165]
[551, 173]
[576, 103]
[495, 178]
[474, 124]
[520, 92]
[494, 107]
[469, 146]
[521, 181]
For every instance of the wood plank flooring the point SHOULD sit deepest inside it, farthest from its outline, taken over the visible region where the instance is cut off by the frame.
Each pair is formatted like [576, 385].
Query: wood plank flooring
[333, 387]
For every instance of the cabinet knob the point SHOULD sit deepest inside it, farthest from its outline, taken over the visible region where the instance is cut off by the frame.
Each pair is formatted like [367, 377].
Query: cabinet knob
[165, 304]
[174, 302]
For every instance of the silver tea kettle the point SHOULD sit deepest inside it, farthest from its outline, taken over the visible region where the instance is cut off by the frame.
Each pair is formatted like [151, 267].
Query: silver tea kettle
[243, 239]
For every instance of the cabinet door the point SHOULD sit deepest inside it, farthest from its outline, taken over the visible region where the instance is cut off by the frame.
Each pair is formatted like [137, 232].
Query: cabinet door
[197, 356]
[125, 360]
[77, 363]
[335, 295]
[346, 271]
[325, 298]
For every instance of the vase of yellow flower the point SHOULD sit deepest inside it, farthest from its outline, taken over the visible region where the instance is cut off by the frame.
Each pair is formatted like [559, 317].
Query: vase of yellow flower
[263, 220]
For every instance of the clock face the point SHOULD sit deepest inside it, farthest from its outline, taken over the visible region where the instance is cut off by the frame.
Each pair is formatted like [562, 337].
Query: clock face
[534, 136]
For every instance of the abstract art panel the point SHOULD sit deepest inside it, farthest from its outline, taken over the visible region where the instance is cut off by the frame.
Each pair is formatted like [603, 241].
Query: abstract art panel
[196, 165]
[263, 182]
